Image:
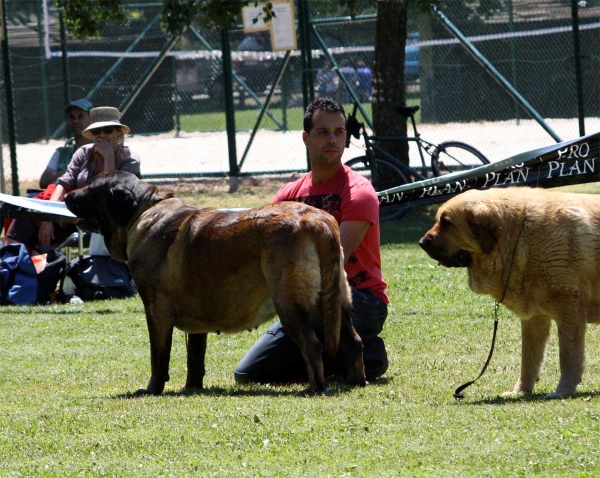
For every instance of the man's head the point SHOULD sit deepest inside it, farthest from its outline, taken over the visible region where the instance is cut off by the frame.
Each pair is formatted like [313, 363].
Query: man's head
[325, 134]
[78, 116]
[323, 104]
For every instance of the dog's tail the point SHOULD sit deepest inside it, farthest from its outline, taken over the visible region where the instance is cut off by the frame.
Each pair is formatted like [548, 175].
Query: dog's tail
[336, 297]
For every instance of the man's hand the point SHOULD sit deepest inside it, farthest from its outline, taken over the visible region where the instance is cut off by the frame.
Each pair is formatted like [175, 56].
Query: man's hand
[46, 233]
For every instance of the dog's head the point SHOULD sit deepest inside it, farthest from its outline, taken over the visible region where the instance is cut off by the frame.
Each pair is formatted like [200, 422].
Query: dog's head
[109, 203]
[464, 226]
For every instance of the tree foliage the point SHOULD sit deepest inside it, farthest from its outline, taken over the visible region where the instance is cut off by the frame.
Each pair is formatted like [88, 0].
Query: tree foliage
[85, 19]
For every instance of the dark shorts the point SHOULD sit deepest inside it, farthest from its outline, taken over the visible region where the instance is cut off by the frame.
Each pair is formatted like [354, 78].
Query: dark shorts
[275, 357]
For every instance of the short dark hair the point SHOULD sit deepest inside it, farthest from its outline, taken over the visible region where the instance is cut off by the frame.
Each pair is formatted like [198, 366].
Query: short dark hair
[324, 104]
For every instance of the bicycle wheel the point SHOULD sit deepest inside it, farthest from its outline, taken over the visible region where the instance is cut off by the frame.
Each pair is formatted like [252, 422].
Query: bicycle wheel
[451, 156]
[388, 176]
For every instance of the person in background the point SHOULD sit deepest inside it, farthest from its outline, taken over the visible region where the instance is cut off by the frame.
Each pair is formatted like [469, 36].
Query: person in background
[351, 199]
[78, 119]
[350, 73]
[364, 76]
[327, 80]
[105, 153]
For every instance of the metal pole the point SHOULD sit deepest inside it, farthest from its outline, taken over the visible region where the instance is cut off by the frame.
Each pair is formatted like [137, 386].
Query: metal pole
[267, 102]
[106, 76]
[234, 170]
[65, 63]
[495, 73]
[578, 75]
[240, 82]
[139, 86]
[513, 60]
[41, 27]
[10, 107]
[307, 90]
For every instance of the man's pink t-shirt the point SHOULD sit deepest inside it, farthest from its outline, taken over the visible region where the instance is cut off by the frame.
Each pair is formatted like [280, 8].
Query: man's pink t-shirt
[347, 196]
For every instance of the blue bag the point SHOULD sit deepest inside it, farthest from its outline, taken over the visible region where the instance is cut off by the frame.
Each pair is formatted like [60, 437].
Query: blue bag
[19, 277]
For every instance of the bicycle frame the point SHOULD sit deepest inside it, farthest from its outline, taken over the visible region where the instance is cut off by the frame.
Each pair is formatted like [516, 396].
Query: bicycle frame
[422, 144]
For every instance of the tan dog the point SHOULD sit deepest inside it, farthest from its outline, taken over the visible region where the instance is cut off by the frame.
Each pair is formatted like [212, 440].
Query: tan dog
[204, 270]
[552, 241]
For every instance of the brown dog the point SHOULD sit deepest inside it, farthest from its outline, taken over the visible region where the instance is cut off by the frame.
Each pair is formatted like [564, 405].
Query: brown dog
[204, 270]
[544, 249]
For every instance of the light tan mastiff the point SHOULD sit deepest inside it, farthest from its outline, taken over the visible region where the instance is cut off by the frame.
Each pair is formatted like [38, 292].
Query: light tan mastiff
[542, 247]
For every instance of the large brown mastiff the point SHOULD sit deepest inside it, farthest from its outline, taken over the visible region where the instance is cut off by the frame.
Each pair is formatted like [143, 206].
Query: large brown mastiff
[205, 270]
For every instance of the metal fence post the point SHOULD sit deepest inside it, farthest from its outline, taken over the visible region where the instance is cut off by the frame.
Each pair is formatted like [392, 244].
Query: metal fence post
[10, 107]
[65, 60]
[234, 170]
[578, 78]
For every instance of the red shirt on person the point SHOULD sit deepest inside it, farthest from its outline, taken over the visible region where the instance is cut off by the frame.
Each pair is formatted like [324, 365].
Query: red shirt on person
[347, 196]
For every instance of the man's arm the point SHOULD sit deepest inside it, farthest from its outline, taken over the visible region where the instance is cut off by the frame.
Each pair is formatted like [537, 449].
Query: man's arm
[352, 233]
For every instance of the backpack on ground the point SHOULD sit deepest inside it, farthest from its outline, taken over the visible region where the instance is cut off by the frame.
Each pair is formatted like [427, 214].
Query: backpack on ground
[21, 283]
[96, 277]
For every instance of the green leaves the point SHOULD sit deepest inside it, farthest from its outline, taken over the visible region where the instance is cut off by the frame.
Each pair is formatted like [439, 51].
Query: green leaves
[84, 19]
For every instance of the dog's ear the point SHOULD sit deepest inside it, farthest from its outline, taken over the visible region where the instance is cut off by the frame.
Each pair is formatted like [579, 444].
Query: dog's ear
[122, 204]
[484, 230]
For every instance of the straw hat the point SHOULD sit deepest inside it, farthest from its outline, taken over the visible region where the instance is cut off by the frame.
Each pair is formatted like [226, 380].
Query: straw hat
[104, 116]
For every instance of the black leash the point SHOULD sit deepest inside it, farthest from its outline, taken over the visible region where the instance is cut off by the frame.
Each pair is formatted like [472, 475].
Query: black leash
[457, 393]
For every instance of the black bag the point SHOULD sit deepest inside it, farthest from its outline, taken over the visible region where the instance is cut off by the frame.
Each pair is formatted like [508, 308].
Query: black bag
[98, 278]
[48, 279]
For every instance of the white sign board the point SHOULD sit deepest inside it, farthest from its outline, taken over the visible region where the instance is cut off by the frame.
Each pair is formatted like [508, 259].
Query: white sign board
[253, 19]
[283, 26]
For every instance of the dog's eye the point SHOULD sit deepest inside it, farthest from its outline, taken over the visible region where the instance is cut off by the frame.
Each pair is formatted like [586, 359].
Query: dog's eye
[445, 222]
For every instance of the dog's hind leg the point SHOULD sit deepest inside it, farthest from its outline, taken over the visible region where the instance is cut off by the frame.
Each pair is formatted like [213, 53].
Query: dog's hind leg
[196, 353]
[352, 350]
[297, 325]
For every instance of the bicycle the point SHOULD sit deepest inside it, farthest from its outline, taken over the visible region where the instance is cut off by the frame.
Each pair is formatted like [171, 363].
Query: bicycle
[385, 171]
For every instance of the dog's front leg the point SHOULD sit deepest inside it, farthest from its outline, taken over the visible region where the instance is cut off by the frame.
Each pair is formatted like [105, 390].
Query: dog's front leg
[196, 352]
[161, 336]
[571, 346]
[535, 332]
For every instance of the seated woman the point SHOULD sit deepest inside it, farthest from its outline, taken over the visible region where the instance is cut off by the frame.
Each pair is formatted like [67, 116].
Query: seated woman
[104, 154]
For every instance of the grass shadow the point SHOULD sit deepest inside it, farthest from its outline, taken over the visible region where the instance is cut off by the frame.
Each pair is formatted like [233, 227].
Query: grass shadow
[334, 388]
[531, 398]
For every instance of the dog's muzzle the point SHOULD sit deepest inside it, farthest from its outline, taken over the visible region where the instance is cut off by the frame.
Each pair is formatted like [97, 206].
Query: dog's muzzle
[461, 259]
[88, 225]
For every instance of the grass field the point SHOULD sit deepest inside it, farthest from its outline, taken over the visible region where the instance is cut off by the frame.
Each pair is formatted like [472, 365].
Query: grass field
[67, 373]
[245, 119]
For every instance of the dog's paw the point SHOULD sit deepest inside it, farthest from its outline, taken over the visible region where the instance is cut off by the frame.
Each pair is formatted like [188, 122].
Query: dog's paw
[309, 392]
[512, 393]
[142, 392]
[557, 395]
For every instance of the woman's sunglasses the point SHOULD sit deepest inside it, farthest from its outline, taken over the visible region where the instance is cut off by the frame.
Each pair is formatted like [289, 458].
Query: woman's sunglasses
[105, 130]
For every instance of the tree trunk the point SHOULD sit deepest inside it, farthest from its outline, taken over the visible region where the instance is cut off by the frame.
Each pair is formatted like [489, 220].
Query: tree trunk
[388, 75]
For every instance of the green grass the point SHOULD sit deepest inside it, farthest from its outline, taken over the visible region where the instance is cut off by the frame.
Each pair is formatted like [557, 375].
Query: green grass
[245, 119]
[67, 373]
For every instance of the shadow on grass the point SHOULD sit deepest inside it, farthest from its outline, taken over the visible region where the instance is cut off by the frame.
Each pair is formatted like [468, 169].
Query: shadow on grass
[531, 398]
[410, 228]
[276, 390]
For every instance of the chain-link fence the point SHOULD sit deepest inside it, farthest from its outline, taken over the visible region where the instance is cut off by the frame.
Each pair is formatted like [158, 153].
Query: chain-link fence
[174, 91]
